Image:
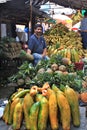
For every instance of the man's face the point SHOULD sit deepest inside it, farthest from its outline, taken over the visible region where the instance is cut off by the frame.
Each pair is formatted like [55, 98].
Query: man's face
[38, 31]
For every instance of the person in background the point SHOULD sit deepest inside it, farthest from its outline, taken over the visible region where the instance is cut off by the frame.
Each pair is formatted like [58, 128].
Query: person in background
[37, 45]
[83, 30]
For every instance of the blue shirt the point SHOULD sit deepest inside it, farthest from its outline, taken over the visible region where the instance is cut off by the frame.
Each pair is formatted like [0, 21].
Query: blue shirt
[83, 25]
[36, 45]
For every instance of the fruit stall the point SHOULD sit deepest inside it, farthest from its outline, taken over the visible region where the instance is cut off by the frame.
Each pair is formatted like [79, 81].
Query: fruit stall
[50, 94]
[53, 94]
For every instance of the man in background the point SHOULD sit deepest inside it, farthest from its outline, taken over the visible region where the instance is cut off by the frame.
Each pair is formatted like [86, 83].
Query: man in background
[83, 30]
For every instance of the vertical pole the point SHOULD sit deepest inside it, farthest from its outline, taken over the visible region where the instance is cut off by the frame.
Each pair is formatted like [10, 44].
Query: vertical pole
[0, 30]
[30, 24]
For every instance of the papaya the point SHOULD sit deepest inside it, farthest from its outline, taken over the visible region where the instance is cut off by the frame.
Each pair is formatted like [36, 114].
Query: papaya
[64, 108]
[43, 114]
[53, 109]
[20, 94]
[6, 112]
[17, 116]
[38, 97]
[27, 103]
[33, 116]
[72, 98]
[12, 107]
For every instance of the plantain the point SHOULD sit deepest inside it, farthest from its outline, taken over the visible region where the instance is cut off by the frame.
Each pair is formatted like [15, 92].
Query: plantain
[6, 113]
[43, 114]
[64, 108]
[17, 116]
[53, 109]
[27, 103]
[74, 105]
[20, 94]
[33, 116]
[12, 107]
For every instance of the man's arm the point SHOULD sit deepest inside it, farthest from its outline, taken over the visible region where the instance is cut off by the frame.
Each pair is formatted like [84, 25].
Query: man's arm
[44, 52]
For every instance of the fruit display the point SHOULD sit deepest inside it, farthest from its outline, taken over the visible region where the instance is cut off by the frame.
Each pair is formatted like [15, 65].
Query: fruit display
[42, 107]
[61, 40]
[9, 48]
[83, 96]
[76, 17]
[57, 70]
[46, 94]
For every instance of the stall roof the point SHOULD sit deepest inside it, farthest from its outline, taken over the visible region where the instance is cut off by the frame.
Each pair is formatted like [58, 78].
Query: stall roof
[75, 4]
[18, 11]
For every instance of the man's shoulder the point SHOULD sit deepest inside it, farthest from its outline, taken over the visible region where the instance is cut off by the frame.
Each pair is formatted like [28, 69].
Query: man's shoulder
[32, 36]
[42, 37]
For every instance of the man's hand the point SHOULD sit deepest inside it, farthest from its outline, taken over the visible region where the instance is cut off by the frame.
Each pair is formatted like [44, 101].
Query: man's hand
[28, 51]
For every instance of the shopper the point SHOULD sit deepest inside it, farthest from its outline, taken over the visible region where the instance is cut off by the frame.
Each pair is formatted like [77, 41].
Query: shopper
[37, 45]
[83, 30]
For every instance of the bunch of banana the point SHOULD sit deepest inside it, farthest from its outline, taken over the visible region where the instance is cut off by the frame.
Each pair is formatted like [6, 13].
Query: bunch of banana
[70, 53]
[65, 39]
[76, 17]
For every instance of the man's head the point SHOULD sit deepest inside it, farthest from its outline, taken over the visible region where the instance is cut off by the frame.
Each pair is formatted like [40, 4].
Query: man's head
[38, 29]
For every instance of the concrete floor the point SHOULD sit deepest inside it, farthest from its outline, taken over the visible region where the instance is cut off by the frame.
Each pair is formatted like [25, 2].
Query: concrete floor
[83, 125]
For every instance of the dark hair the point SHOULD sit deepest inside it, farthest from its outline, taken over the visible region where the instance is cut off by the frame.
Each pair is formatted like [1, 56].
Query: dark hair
[38, 25]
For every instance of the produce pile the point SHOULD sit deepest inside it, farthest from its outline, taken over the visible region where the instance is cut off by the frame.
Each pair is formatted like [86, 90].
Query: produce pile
[76, 17]
[60, 40]
[37, 108]
[9, 48]
[57, 71]
[47, 95]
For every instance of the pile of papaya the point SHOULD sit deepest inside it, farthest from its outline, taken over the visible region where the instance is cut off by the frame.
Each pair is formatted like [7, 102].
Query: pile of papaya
[38, 108]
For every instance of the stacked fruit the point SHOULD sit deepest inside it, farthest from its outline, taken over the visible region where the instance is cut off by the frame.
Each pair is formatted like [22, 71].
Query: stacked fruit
[38, 104]
[71, 54]
[76, 17]
[59, 38]
[9, 48]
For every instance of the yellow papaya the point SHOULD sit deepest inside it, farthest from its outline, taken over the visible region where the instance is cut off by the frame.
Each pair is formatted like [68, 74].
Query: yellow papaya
[64, 108]
[33, 116]
[53, 109]
[12, 107]
[43, 114]
[17, 116]
[27, 103]
[6, 112]
[72, 98]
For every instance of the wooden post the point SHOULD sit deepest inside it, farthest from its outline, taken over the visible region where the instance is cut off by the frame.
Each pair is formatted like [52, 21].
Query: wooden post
[0, 30]
[30, 23]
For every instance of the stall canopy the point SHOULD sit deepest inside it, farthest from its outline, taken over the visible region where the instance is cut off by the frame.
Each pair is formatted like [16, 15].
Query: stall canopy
[18, 11]
[75, 4]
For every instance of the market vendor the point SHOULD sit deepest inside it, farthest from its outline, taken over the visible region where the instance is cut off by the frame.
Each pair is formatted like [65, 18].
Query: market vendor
[83, 30]
[37, 45]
